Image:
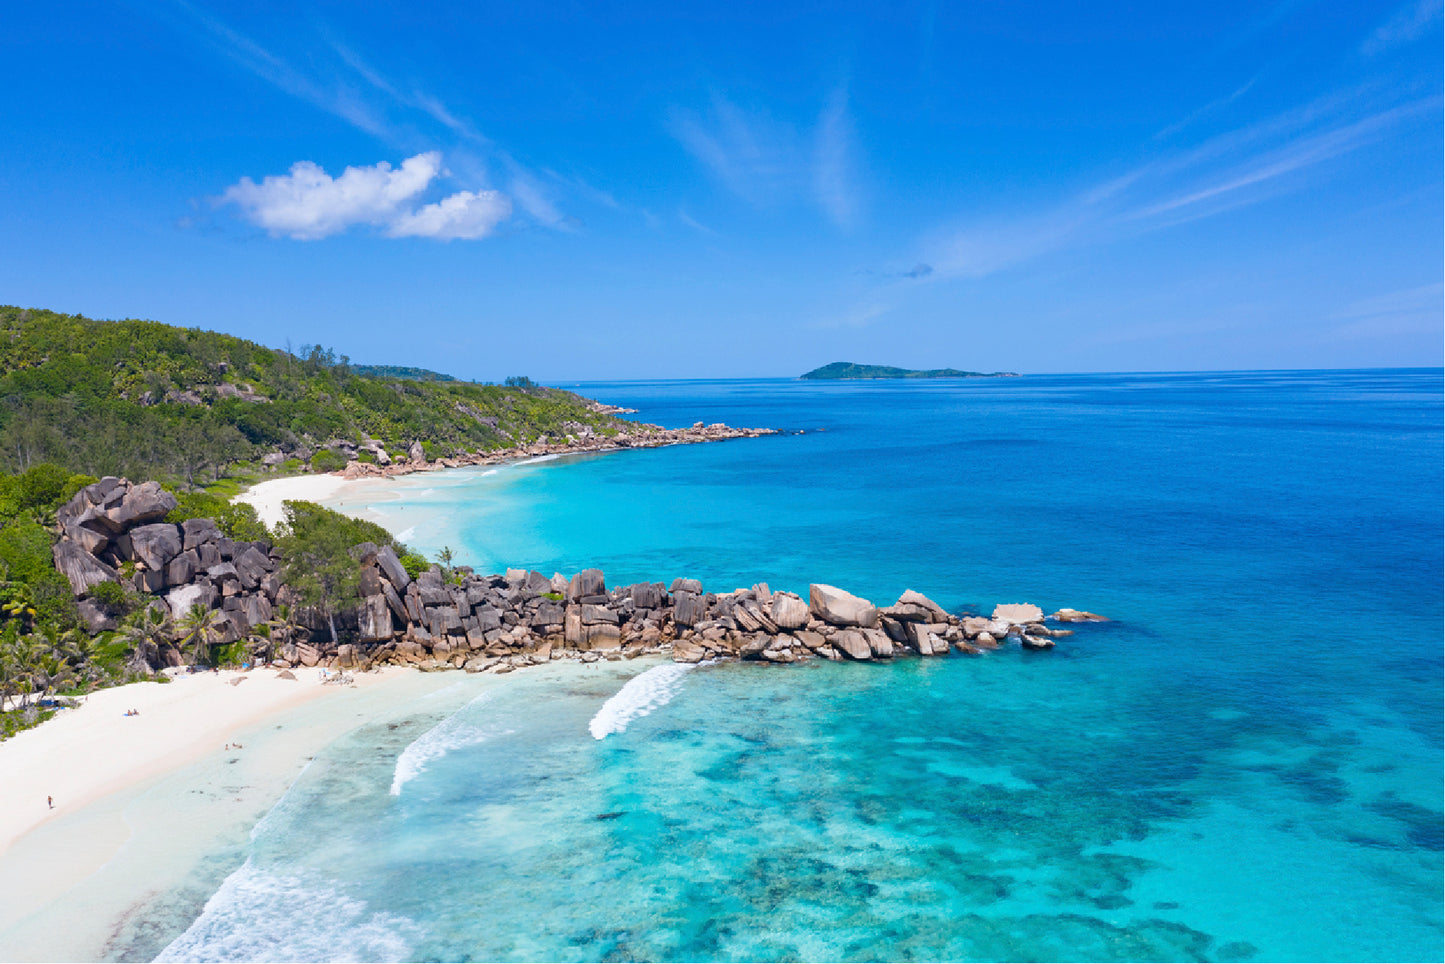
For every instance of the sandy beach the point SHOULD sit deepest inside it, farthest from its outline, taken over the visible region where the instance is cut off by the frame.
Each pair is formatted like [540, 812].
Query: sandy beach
[267, 497]
[137, 798]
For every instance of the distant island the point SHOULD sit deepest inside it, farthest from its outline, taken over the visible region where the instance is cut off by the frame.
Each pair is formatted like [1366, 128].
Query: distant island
[848, 370]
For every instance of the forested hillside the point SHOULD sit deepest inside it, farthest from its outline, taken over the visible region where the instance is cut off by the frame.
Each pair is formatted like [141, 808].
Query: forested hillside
[148, 400]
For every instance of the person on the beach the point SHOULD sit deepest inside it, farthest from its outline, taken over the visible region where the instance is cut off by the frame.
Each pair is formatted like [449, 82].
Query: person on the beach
[50, 801]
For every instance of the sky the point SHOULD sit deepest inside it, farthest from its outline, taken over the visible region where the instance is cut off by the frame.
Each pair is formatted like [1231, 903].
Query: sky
[598, 191]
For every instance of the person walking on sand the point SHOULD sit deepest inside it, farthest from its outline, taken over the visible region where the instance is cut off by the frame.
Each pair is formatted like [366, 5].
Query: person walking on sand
[50, 801]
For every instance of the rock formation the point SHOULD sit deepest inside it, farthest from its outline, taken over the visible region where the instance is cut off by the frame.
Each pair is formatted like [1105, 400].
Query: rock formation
[113, 531]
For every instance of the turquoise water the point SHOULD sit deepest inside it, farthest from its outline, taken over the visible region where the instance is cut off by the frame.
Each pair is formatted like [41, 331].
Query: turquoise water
[1244, 765]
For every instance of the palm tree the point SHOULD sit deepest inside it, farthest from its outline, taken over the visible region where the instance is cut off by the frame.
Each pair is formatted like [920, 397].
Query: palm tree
[199, 628]
[146, 627]
[17, 600]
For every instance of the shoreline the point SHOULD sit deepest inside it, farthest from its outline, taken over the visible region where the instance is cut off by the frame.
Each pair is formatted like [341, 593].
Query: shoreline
[219, 753]
[267, 496]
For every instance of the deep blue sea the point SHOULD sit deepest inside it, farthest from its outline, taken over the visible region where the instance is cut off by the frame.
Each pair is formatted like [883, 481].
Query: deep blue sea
[1244, 764]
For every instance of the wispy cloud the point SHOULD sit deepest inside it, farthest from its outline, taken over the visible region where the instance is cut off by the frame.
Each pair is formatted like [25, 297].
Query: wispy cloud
[695, 224]
[1408, 310]
[1408, 23]
[1237, 168]
[308, 204]
[768, 162]
[339, 80]
[833, 177]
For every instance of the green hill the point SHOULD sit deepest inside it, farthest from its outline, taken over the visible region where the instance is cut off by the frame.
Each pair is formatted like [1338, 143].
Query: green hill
[849, 370]
[148, 400]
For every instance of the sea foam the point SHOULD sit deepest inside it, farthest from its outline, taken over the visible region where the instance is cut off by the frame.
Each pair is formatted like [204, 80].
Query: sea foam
[642, 694]
[453, 733]
[259, 916]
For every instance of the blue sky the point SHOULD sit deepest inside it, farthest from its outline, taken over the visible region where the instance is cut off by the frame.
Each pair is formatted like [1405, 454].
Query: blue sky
[594, 191]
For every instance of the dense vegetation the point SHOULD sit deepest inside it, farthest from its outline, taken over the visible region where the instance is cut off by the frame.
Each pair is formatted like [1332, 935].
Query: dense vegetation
[45, 653]
[401, 371]
[43, 650]
[147, 400]
[81, 398]
[848, 370]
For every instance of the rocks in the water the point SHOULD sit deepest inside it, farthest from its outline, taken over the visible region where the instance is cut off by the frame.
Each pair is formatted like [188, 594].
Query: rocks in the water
[838, 607]
[853, 644]
[1078, 616]
[687, 651]
[788, 611]
[1017, 614]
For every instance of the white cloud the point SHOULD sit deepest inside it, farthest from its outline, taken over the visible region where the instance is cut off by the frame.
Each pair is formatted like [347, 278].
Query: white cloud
[307, 203]
[466, 215]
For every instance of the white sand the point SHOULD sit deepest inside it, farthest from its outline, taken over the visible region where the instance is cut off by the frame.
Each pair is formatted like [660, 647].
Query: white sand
[114, 839]
[267, 497]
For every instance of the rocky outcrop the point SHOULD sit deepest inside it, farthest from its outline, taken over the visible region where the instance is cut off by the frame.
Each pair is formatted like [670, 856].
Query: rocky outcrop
[580, 438]
[111, 531]
[497, 623]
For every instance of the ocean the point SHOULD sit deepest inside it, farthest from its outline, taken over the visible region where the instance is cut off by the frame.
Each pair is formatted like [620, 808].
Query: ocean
[1245, 763]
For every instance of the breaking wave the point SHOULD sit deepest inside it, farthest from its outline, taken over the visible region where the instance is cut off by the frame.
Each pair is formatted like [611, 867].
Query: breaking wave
[452, 733]
[642, 694]
[258, 916]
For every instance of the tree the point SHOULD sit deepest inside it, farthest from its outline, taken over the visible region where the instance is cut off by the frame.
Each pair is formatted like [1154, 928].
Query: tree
[316, 546]
[146, 628]
[199, 629]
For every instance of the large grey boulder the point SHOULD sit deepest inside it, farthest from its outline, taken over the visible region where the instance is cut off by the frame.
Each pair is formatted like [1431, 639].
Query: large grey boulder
[911, 598]
[182, 598]
[97, 617]
[927, 639]
[83, 570]
[392, 569]
[549, 614]
[143, 503]
[878, 643]
[687, 651]
[840, 608]
[1018, 614]
[374, 619]
[155, 544]
[597, 615]
[647, 595]
[588, 582]
[197, 531]
[183, 568]
[253, 564]
[687, 585]
[853, 643]
[689, 610]
[789, 611]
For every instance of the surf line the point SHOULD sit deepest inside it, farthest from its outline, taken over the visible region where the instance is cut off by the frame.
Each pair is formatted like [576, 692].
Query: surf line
[643, 693]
